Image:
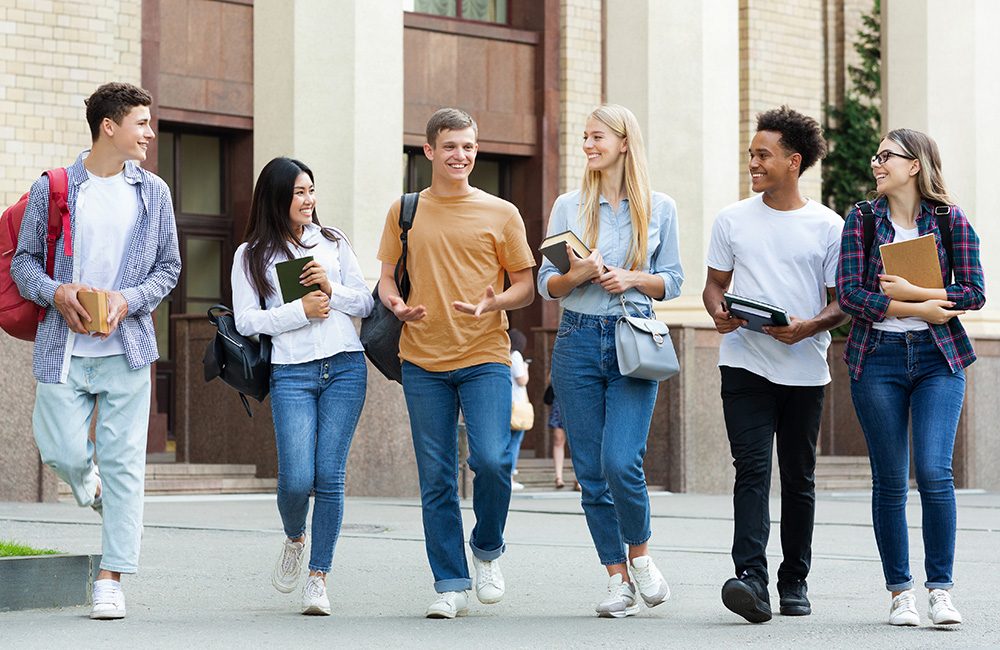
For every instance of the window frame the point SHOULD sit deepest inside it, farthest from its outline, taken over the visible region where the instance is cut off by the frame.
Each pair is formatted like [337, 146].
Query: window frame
[459, 18]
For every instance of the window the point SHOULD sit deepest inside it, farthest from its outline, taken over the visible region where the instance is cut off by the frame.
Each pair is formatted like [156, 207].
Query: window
[486, 11]
[491, 173]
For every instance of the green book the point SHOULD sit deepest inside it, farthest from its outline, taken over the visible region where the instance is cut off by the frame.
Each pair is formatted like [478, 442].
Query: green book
[288, 279]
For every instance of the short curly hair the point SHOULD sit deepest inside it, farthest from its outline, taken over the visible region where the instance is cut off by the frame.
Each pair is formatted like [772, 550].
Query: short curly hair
[800, 134]
[114, 100]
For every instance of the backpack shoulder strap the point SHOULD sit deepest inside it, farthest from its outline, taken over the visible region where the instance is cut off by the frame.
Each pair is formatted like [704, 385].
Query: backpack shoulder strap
[942, 214]
[407, 212]
[867, 226]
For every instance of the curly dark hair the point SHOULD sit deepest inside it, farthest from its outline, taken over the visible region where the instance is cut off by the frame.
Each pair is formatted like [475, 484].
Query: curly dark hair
[800, 134]
[114, 100]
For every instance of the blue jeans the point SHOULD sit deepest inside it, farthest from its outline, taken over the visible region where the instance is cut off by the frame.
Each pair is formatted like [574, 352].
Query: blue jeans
[906, 377]
[607, 419]
[316, 406]
[433, 400]
[514, 448]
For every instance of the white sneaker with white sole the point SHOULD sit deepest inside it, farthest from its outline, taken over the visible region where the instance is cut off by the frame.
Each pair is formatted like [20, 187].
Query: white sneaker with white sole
[621, 600]
[904, 609]
[652, 587]
[490, 586]
[941, 611]
[449, 605]
[314, 599]
[109, 600]
[286, 571]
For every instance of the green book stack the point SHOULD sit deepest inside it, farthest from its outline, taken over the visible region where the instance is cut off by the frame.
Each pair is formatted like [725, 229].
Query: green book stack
[288, 279]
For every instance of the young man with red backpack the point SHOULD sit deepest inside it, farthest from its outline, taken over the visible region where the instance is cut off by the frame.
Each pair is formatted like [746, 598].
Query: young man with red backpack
[124, 241]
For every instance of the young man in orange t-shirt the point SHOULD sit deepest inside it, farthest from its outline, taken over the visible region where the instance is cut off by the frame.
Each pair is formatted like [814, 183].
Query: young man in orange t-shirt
[456, 354]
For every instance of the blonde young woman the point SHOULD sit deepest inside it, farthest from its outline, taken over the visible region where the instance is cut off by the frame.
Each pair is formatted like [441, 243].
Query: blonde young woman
[632, 233]
[906, 353]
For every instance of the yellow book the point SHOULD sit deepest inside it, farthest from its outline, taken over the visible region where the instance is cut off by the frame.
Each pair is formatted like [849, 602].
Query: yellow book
[96, 304]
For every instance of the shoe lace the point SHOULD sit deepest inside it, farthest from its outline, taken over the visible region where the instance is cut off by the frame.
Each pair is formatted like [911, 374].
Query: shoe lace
[905, 600]
[942, 598]
[314, 587]
[487, 572]
[290, 556]
[620, 590]
[105, 594]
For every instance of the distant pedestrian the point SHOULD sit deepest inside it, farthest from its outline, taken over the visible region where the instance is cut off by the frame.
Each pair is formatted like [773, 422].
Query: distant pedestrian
[519, 394]
[558, 436]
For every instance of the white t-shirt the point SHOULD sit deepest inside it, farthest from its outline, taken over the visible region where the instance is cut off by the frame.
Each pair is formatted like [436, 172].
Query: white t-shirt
[106, 212]
[786, 258]
[518, 368]
[909, 323]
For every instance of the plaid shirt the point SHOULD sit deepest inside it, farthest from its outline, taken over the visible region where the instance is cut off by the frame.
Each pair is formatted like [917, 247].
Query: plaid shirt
[152, 266]
[863, 299]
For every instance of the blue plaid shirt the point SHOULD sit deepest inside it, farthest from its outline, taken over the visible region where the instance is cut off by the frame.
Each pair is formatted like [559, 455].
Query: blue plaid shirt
[152, 266]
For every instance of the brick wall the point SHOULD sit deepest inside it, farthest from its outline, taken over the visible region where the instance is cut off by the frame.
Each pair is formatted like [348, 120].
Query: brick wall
[581, 71]
[53, 54]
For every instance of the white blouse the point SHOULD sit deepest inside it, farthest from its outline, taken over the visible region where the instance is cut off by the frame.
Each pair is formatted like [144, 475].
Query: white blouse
[295, 338]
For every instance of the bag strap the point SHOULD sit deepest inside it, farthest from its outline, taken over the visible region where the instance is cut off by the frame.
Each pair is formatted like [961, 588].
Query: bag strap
[59, 223]
[945, 231]
[407, 212]
[628, 303]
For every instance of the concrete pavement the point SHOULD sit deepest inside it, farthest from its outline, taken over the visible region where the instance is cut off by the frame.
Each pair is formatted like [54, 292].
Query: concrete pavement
[204, 580]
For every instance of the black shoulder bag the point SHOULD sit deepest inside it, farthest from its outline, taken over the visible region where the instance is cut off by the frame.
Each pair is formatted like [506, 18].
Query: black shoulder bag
[241, 362]
[381, 329]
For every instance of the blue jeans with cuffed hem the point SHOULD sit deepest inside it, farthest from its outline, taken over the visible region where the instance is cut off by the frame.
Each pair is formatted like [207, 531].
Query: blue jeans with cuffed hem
[907, 379]
[316, 406]
[433, 400]
[607, 418]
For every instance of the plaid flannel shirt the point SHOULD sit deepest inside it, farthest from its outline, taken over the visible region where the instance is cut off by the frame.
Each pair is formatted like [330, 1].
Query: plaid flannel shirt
[152, 266]
[862, 298]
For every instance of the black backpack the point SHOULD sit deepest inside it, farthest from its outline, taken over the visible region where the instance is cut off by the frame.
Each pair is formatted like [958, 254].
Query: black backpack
[868, 229]
[240, 361]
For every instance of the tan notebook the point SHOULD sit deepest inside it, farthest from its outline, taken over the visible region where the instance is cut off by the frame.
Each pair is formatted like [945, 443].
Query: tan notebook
[916, 260]
[96, 304]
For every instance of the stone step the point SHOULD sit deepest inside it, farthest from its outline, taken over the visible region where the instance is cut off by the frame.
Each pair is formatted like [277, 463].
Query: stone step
[169, 470]
[194, 478]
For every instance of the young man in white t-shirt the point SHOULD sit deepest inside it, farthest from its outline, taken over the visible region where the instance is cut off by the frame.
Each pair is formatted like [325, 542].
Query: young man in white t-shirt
[781, 248]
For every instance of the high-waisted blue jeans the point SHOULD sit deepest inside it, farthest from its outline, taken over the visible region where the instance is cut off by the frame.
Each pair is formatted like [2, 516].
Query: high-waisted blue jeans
[906, 378]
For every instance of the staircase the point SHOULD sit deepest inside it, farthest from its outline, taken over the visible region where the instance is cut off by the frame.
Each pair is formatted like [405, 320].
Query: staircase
[843, 474]
[538, 474]
[187, 478]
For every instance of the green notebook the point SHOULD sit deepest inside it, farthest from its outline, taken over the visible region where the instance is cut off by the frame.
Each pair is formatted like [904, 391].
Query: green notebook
[288, 279]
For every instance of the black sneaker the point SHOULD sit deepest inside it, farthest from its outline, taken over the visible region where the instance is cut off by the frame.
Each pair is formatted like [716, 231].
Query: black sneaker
[793, 600]
[747, 596]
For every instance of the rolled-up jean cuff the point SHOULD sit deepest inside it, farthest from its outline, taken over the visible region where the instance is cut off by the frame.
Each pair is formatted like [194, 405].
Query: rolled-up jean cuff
[902, 586]
[320, 569]
[119, 569]
[620, 560]
[644, 540]
[487, 556]
[300, 534]
[453, 584]
[939, 585]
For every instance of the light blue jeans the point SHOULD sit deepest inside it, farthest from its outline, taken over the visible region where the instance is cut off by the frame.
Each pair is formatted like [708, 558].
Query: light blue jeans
[433, 400]
[316, 406]
[62, 422]
[607, 418]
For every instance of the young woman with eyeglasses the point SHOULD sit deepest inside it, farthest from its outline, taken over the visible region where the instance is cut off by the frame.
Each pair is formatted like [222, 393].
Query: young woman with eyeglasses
[906, 355]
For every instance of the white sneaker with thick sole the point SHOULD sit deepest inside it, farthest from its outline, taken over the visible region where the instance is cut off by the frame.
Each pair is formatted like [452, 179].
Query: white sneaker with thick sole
[621, 600]
[449, 605]
[652, 587]
[904, 609]
[490, 586]
[109, 600]
[289, 566]
[941, 611]
[314, 599]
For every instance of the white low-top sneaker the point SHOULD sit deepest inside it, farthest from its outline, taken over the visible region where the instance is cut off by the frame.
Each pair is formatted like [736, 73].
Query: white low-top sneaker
[904, 609]
[652, 587]
[621, 600]
[109, 600]
[314, 599]
[490, 586]
[289, 566]
[942, 612]
[449, 605]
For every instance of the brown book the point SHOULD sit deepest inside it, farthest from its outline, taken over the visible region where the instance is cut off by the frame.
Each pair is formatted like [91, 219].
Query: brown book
[915, 260]
[96, 304]
[554, 248]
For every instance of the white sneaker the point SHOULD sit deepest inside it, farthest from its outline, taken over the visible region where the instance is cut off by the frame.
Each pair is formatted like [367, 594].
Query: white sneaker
[621, 600]
[515, 486]
[286, 571]
[942, 612]
[904, 609]
[314, 599]
[109, 600]
[652, 587]
[490, 586]
[449, 605]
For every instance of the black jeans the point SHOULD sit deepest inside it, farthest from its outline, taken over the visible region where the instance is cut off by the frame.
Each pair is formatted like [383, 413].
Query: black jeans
[755, 410]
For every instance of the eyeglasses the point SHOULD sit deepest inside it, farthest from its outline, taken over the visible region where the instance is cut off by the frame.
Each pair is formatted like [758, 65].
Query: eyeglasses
[882, 157]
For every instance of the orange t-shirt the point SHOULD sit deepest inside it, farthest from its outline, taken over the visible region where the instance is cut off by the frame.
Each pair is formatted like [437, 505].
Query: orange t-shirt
[457, 247]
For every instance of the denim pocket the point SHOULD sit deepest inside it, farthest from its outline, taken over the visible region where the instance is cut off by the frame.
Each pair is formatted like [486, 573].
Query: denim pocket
[873, 342]
[566, 328]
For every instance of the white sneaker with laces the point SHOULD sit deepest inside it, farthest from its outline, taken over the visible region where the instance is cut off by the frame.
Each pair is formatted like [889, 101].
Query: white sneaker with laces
[942, 612]
[449, 605]
[314, 599]
[621, 600]
[289, 565]
[109, 600]
[490, 586]
[904, 609]
[652, 587]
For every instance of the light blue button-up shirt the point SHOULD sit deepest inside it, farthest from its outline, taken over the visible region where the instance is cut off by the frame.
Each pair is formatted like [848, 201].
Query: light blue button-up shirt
[662, 258]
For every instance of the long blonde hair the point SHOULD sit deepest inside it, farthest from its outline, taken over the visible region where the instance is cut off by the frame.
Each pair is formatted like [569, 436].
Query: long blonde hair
[622, 123]
[930, 181]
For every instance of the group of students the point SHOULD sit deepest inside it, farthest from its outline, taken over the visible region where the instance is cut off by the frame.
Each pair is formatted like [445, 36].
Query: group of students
[906, 350]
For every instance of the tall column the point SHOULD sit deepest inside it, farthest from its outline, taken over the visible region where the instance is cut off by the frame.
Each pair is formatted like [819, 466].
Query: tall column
[328, 89]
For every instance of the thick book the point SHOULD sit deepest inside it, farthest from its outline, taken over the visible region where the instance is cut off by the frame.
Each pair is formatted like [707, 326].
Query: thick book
[915, 260]
[554, 248]
[288, 279]
[756, 313]
[96, 304]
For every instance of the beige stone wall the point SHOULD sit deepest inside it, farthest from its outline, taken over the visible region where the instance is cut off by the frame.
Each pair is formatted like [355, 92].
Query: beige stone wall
[782, 61]
[580, 78]
[53, 54]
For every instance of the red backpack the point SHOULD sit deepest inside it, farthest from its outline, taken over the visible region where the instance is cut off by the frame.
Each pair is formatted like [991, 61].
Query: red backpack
[20, 317]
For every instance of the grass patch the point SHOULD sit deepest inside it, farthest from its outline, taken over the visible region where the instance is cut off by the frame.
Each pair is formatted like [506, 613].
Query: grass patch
[11, 549]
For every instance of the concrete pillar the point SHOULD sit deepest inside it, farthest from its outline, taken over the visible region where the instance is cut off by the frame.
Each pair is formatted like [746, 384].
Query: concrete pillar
[675, 64]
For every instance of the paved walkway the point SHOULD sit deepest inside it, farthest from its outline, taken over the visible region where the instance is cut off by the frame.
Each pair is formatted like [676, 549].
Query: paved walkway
[206, 563]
